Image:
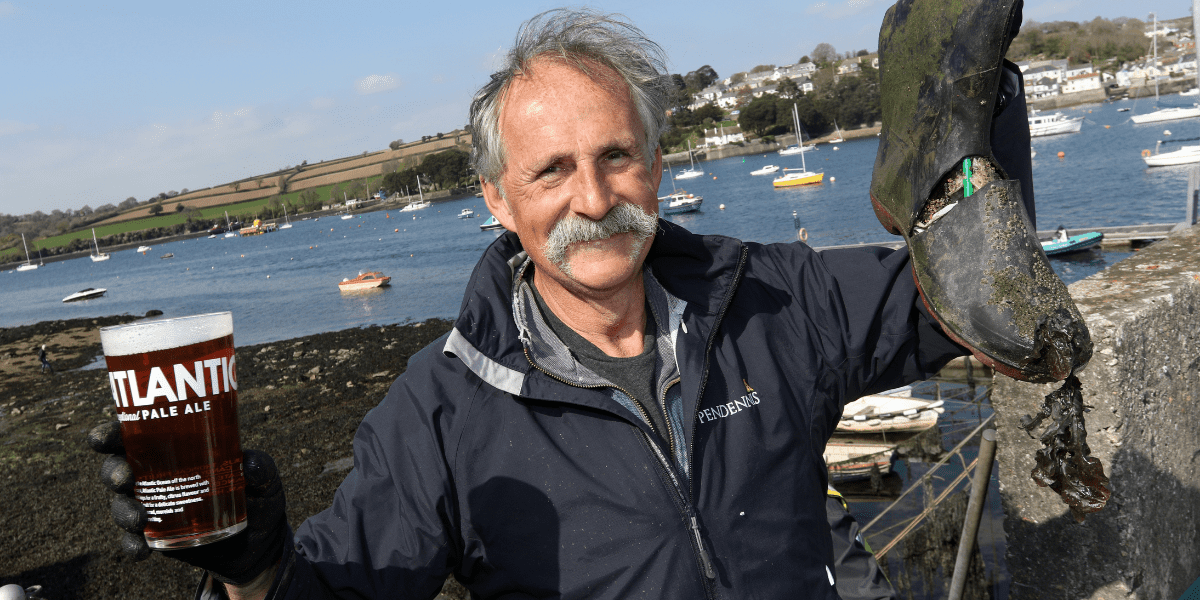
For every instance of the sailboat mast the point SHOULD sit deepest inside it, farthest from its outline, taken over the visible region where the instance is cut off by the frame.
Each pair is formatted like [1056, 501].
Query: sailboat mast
[1154, 43]
[27, 259]
[799, 137]
[1196, 28]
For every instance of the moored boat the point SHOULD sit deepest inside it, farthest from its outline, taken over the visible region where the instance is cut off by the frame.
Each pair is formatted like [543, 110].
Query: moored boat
[490, 224]
[85, 294]
[466, 213]
[97, 255]
[681, 202]
[848, 461]
[1054, 124]
[767, 170]
[28, 264]
[1185, 155]
[691, 172]
[364, 281]
[144, 249]
[801, 176]
[418, 205]
[882, 413]
[1063, 243]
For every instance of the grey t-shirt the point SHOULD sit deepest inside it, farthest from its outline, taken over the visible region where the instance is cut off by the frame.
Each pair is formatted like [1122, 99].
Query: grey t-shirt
[634, 375]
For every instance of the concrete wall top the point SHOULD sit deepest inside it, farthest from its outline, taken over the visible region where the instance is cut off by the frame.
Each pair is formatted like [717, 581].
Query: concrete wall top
[1142, 389]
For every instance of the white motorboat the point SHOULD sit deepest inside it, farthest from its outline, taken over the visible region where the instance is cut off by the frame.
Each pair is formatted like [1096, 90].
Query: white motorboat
[347, 217]
[466, 213]
[692, 172]
[1191, 92]
[681, 202]
[86, 294]
[97, 255]
[144, 249]
[767, 170]
[1185, 155]
[28, 264]
[1054, 124]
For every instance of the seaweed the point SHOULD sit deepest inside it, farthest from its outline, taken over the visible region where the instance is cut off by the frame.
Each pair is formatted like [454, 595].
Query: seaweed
[1064, 463]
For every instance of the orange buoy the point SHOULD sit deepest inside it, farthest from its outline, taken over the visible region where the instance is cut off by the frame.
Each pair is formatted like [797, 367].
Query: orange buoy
[1061, 154]
[1108, 126]
[1146, 152]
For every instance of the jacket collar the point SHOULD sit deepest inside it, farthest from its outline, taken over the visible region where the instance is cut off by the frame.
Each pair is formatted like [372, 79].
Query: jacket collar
[496, 326]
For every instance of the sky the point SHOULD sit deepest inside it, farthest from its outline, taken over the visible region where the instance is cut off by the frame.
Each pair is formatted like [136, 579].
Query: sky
[103, 101]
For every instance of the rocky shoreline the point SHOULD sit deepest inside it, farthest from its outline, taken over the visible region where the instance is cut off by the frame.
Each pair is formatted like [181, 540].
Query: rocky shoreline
[300, 400]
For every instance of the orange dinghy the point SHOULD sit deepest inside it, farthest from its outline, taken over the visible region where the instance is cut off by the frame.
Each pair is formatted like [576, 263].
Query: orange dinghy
[364, 281]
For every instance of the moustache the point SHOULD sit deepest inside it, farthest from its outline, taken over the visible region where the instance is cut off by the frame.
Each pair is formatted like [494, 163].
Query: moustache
[623, 218]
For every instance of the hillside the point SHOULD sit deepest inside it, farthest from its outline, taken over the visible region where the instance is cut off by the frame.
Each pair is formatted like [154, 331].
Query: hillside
[326, 182]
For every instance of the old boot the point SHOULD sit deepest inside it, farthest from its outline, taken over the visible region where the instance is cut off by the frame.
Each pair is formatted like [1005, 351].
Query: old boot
[976, 258]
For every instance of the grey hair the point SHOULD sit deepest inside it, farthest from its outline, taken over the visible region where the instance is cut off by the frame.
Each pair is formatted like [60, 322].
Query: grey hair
[578, 36]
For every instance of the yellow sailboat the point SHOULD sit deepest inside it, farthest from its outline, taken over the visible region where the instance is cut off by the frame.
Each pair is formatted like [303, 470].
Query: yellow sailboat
[801, 176]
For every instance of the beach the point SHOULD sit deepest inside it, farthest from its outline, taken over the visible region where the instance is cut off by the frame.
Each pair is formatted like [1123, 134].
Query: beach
[300, 400]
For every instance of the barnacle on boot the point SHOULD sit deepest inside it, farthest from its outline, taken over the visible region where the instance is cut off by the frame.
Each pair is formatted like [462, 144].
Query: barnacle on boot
[1064, 463]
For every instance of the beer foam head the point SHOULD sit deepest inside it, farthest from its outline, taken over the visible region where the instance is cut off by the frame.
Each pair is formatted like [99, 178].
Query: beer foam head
[164, 334]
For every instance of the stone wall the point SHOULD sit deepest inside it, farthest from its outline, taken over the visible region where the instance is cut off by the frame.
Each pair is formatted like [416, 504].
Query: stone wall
[1142, 387]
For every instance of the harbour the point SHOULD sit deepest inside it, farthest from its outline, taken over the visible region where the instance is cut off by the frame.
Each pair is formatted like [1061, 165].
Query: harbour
[430, 253]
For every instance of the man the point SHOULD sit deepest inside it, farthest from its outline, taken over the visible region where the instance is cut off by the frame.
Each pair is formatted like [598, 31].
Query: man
[46, 366]
[623, 408]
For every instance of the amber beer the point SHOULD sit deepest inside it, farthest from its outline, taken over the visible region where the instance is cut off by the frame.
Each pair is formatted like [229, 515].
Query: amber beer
[174, 382]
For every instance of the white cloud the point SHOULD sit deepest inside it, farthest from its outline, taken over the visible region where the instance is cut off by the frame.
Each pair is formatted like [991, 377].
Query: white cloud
[14, 127]
[7, 9]
[373, 84]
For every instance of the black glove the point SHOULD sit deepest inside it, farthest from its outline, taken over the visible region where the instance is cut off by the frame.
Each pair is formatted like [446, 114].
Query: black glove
[234, 560]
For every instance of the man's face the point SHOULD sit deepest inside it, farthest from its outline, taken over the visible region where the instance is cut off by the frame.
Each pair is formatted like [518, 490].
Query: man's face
[574, 150]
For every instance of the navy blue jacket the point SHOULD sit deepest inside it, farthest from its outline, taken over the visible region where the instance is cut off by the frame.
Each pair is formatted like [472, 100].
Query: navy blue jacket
[489, 459]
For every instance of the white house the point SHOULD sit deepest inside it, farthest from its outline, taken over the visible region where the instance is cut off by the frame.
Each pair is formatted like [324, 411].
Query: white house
[719, 136]
[1081, 83]
[1042, 88]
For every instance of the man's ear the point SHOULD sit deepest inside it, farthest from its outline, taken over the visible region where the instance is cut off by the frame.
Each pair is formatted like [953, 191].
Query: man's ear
[497, 205]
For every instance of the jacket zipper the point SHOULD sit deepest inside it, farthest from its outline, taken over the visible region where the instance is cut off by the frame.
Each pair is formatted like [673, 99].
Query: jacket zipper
[638, 404]
[690, 512]
[662, 404]
[690, 501]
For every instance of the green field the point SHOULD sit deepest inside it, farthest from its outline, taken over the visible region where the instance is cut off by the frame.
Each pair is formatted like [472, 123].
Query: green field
[241, 210]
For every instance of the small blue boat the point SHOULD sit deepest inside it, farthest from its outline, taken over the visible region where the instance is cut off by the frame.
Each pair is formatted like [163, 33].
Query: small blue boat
[1065, 244]
[491, 223]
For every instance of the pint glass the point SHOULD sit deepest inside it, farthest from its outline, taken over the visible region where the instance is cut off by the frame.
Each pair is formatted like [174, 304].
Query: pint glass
[174, 382]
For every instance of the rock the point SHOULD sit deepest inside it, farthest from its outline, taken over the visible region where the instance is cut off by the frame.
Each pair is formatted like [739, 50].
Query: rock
[61, 426]
[349, 384]
[381, 374]
[341, 464]
[153, 313]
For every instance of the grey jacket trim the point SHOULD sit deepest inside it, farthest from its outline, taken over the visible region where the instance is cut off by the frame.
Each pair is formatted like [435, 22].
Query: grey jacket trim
[496, 374]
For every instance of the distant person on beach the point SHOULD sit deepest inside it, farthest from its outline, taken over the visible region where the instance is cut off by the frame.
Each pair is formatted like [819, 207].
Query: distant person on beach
[624, 408]
[45, 361]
